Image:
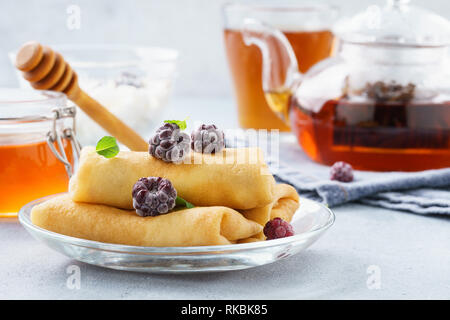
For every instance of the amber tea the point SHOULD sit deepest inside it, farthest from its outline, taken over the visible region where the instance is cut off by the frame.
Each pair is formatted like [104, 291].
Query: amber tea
[246, 64]
[388, 130]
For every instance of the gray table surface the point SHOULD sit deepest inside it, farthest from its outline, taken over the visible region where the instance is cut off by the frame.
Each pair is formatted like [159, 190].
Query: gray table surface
[408, 255]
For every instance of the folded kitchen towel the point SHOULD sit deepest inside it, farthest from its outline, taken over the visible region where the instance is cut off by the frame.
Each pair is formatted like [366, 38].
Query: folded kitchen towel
[424, 192]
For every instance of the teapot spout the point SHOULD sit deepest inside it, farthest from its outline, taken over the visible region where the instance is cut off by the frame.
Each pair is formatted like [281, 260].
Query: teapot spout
[280, 73]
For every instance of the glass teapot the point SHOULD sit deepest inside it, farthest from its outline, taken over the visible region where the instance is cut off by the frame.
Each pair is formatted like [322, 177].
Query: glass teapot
[381, 103]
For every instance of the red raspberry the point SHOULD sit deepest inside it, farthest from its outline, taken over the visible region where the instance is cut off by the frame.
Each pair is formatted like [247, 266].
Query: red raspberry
[341, 171]
[278, 228]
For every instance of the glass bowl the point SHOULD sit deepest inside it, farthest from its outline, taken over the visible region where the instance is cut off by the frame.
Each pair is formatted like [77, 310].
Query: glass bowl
[310, 221]
[134, 83]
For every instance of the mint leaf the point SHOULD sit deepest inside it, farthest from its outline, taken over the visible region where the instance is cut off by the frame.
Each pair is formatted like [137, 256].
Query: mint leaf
[107, 147]
[180, 202]
[181, 123]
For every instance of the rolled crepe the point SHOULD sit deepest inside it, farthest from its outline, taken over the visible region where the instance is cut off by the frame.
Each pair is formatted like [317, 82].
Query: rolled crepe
[189, 227]
[235, 178]
[284, 205]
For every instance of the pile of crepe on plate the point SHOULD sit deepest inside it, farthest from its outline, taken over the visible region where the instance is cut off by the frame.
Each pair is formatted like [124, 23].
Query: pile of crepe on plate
[233, 192]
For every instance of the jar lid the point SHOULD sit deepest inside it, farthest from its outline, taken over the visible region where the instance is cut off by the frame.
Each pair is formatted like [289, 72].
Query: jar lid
[29, 104]
[398, 23]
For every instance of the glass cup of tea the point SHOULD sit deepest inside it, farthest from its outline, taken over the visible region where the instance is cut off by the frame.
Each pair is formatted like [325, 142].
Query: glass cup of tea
[308, 30]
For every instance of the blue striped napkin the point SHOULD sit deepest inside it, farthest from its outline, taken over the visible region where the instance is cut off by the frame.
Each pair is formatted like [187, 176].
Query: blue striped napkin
[424, 192]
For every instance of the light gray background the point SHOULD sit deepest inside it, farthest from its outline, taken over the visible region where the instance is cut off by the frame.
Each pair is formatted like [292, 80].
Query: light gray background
[194, 27]
[411, 251]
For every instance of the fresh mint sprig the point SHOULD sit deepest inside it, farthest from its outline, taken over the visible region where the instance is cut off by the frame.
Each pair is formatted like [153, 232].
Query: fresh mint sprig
[180, 123]
[107, 147]
[180, 202]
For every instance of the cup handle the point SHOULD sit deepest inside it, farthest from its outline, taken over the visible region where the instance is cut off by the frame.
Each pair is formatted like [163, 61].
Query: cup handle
[280, 73]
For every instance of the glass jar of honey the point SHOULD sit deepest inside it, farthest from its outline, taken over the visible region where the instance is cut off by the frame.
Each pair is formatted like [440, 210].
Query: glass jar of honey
[37, 146]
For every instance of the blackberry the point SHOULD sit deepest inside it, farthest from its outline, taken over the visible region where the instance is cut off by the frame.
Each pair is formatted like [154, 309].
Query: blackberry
[169, 143]
[207, 139]
[153, 196]
[278, 228]
[341, 171]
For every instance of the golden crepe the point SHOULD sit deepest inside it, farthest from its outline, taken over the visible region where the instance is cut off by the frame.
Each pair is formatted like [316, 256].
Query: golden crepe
[235, 178]
[189, 227]
[284, 205]
[233, 192]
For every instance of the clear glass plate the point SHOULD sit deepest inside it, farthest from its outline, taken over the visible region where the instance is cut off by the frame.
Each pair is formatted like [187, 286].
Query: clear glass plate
[310, 221]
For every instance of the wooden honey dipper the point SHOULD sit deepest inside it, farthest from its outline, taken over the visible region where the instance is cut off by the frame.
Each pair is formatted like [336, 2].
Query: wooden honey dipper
[46, 69]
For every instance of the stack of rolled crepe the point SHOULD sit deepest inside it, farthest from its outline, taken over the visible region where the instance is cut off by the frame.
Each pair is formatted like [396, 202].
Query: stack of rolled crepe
[233, 192]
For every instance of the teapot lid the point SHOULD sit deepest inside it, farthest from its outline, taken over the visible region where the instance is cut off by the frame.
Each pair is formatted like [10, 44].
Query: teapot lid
[397, 24]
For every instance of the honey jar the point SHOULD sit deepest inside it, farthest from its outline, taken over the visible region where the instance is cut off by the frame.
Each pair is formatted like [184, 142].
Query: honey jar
[38, 147]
